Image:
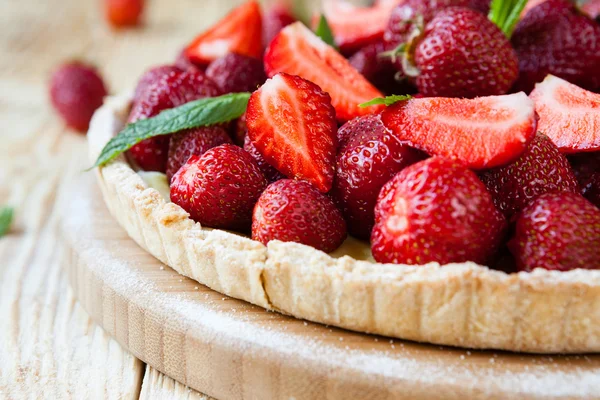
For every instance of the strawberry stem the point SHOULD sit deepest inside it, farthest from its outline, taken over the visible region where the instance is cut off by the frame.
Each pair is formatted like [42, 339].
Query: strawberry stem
[506, 13]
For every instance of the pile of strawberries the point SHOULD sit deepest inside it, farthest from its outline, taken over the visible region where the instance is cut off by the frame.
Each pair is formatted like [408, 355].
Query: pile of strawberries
[470, 168]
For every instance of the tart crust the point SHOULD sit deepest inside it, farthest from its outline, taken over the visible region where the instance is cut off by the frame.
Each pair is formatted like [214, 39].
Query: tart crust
[463, 305]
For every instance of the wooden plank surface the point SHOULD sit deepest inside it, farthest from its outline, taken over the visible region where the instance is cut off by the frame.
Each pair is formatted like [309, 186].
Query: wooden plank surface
[49, 347]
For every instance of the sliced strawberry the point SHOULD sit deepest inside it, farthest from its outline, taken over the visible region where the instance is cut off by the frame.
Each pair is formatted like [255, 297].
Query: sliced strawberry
[481, 133]
[569, 115]
[240, 32]
[355, 27]
[291, 122]
[298, 51]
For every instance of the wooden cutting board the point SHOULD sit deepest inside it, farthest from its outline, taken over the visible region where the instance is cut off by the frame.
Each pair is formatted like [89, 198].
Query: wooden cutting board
[230, 349]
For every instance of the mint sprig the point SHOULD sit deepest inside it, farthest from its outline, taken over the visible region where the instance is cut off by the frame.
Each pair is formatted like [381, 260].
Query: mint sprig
[324, 32]
[388, 100]
[6, 217]
[506, 13]
[203, 112]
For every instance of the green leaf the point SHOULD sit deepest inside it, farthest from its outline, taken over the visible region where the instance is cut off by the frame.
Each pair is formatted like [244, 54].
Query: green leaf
[506, 13]
[203, 112]
[388, 101]
[6, 217]
[324, 32]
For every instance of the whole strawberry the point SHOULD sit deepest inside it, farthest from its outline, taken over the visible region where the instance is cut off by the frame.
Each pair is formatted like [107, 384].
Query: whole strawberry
[558, 231]
[435, 211]
[76, 91]
[554, 38]
[274, 20]
[540, 169]
[120, 13]
[366, 161]
[150, 77]
[235, 73]
[294, 211]
[168, 91]
[267, 169]
[193, 142]
[219, 188]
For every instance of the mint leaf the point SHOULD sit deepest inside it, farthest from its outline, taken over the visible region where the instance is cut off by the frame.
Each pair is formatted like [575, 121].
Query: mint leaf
[324, 32]
[388, 101]
[203, 112]
[506, 13]
[6, 217]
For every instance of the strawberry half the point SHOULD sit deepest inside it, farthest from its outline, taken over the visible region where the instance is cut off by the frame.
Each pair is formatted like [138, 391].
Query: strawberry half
[569, 115]
[480, 133]
[354, 27]
[291, 122]
[298, 51]
[240, 32]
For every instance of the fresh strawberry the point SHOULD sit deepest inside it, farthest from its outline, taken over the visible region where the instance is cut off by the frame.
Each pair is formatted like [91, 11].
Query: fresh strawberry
[592, 9]
[354, 27]
[184, 63]
[275, 19]
[294, 211]
[240, 32]
[267, 169]
[76, 91]
[558, 231]
[569, 115]
[169, 91]
[481, 133]
[124, 12]
[460, 53]
[591, 189]
[193, 142]
[219, 188]
[553, 38]
[367, 160]
[379, 69]
[297, 51]
[435, 211]
[540, 169]
[235, 73]
[151, 76]
[291, 122]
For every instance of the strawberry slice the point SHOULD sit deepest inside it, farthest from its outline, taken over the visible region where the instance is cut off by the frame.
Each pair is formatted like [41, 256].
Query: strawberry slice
[569, 115]
[483, 132]
[298, 51]
[240, 32]
[355, 27]
[291, 122]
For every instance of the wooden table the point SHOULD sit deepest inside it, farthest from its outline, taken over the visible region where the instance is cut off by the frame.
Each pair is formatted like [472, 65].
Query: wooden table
[49, 347]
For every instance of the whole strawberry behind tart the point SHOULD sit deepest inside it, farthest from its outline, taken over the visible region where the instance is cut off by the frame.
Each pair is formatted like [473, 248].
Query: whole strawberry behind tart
[414, 198]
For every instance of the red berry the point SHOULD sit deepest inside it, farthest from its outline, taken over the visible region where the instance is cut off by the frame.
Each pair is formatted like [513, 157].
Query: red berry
[298, 51]
[480, 133]
[435, 211]
[168, 91]
[540, 169]
[592, 9]
[267, 169]
[291, 122]
[368, 159]
[294, 211]
[236, 73]
[274, 20]
[240, 32]
[219, 188]
[554, 38]
[558, 231]
[151, 76]
[184, 63]
[569, 115]
[124, 12]
[193, 142]
[76, 91]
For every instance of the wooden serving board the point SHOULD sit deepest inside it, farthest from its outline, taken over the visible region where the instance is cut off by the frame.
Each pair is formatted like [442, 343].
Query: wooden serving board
[230, 349]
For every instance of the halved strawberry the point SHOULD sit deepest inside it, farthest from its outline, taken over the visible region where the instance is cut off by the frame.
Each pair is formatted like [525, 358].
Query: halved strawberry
[298, 51]
[240, 32]
[569, 115]
[291, 122]
[481, 133]
[354, 27]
